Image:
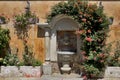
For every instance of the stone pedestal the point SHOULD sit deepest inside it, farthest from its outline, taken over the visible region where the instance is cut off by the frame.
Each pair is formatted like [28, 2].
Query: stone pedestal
[47, 68]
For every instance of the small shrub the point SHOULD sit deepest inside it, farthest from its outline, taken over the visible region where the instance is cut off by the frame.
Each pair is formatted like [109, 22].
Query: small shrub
[25, 19]
[113, 58]
[11, 60]
[91, 71]
[36, 62]
[22, 22]
[4, 41]
[28, 58]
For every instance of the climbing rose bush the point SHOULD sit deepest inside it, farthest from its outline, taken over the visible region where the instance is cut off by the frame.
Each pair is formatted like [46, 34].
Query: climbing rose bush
[93, 31]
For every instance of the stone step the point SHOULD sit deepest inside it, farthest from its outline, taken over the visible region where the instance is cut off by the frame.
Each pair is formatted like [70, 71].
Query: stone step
[61, 77]
[16, 78]
[47, 77]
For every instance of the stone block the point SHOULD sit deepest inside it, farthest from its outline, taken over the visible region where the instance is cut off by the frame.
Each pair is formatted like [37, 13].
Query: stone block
[112, 73]
[30, 71]
[47, 69]
[10, 71]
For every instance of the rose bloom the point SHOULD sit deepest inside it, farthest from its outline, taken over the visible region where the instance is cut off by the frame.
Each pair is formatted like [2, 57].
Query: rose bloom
[80, 12]
[111, 54]
[85, 57]
[101, 61]
[101, 54]
[89, 5]
[94, 51]
[119, 59]
[89, 31]
[83, 52]
[95, 58]
[100, 20]
[84, 77]
[84, 20]
[88, 39]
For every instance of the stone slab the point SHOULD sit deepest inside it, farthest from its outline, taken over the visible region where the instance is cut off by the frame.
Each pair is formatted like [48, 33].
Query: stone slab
[112, 73]
[111, 78]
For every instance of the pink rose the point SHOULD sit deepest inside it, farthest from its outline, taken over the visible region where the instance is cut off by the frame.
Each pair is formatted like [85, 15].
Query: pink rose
[89, 31]
[84, 77]
[101, 54]
[88, 39]
[84, 20]
[83, 52]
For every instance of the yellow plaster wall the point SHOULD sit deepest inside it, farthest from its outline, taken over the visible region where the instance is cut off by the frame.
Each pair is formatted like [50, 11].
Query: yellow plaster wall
[41, 9]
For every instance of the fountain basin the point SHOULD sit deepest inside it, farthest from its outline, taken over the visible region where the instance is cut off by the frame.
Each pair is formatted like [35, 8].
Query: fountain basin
[65, 52]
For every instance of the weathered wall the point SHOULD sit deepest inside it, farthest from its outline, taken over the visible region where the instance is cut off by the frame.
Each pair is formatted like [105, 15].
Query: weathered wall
[34, 40]
[36, 35]
[41, 9]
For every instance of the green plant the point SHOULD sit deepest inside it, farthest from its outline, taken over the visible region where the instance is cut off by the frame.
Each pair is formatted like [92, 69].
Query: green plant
[28, 58]
[36, 62]
[11, 60]
[91, 70]
[93, 31]
[4, 41]
[22, 22]
[24, 19]
[113, 58]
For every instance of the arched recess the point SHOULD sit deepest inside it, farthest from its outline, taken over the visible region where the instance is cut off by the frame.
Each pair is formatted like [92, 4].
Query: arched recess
[61, 23]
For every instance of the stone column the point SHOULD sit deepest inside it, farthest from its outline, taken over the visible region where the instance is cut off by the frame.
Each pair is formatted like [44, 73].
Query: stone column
[47, 67]
[47, 44]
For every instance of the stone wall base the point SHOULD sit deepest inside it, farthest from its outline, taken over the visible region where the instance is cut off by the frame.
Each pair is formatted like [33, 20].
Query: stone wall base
[22, 71]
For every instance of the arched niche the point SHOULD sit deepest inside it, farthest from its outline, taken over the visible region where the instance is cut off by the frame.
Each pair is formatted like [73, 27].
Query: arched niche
[61, 23]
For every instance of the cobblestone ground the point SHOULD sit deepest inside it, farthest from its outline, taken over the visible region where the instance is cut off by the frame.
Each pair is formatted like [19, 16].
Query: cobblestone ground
[49, 77]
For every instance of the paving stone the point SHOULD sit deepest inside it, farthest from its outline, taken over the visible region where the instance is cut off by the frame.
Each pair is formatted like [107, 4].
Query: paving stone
[48, 77]
[60, 77]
